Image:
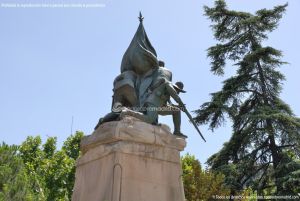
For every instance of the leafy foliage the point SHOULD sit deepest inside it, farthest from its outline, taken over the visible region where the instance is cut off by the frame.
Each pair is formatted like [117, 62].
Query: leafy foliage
[52, 171]
[14, 181]
[264, 127]
[34, 171]
[200, 184]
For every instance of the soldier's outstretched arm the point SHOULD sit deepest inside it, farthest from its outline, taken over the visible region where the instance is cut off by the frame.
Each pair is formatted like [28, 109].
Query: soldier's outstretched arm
[173, 93]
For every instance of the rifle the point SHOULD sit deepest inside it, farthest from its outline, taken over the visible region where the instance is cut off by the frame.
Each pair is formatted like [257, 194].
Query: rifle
[191, 120]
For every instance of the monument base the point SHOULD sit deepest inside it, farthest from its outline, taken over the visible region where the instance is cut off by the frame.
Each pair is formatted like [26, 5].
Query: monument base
[129, 160]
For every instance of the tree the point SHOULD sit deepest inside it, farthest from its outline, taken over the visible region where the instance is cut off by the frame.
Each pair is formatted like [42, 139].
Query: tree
[14, 181]
[200, 184]
[52, 171]
[72, 148]
[264, 145]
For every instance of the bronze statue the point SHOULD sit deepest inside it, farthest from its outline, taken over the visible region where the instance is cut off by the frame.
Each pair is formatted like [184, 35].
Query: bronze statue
[144, 87]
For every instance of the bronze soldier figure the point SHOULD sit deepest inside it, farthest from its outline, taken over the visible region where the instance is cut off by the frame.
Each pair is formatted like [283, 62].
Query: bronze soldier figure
[144, 87]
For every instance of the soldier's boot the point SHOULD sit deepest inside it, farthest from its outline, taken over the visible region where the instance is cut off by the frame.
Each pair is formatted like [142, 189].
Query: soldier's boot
[177, 123]
[109, 117]
[150, 117]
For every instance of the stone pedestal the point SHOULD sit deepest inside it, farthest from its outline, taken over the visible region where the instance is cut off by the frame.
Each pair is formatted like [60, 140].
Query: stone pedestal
[129, 160]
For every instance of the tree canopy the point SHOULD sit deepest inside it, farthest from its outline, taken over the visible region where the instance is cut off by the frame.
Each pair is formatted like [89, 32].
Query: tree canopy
[263, 152]
[201, 184]
[36, 171]
[14, 180]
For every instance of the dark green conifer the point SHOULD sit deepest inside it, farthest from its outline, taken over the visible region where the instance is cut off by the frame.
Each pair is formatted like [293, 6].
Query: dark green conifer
[263, 151]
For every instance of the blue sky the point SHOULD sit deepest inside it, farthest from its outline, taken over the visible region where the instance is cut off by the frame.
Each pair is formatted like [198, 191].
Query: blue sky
[56, 63]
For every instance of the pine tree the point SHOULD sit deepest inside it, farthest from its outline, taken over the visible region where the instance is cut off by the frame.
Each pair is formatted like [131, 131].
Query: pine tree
[263, 152]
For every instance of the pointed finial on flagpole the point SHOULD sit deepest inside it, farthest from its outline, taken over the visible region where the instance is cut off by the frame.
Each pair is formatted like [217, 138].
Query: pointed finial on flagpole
[141, 17]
